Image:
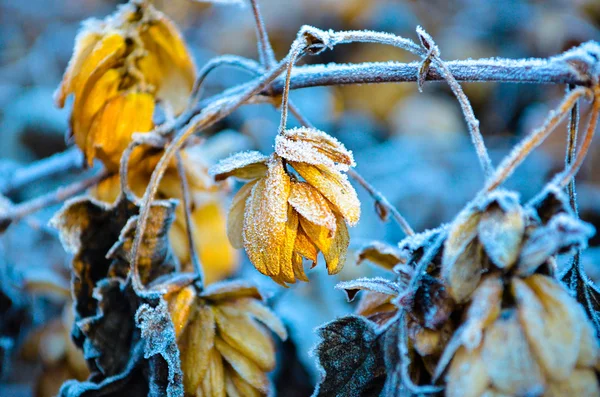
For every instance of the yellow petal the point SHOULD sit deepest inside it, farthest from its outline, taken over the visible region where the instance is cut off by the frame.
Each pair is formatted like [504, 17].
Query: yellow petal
[305, 247]
[246, 368]
[334, 186]
[287, 248]
[106, 51]
[311, 205]
[235, 218]
[248, 337]
[213, 383]
[484, 309]
[86, 40]
[550, 320]
[381, 254]
[266, 219]
[118, 121]
[257, 310]
[298, 265]
[242, 387]
[312, 146]
[195, 344]
[230, 290]
[467, 376]
[334, 248]
[243, 165]
[374, 302]
[510, 363]
[180, 305]
[582, 382]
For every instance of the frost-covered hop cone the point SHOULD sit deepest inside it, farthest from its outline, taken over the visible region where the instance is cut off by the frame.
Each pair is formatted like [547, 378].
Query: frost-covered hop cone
[297, 203]
[522, 332]
[224, 349]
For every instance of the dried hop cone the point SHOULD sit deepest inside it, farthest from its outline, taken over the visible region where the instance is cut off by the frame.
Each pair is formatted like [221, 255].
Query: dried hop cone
[298, 201]
[225, 351]
[121, 66]
[524, 337]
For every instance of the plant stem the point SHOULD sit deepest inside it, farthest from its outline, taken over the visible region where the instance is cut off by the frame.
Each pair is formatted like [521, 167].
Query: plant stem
[570, 151]
[19, 211]
[382, 201]
[265, 51]
[516, 157]
[59, 163]
[185, 189]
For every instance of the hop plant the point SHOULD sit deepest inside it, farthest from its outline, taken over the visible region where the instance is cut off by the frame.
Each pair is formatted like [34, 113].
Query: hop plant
[298, 202]
[121, 67]
[224, 350]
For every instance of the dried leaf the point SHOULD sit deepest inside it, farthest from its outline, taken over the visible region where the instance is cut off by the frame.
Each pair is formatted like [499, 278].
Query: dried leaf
[467, 376]
[247, 369]
[381, 254]
[350, 357]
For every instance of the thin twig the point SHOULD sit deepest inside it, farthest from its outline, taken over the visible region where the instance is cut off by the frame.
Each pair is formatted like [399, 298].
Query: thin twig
[564, 178]
[19, 211]
[382, 201]
[516, 157]
[59, 163]
[295, 52]
[187, 208]
[463, 100]
[223, 60]
[570, 152]
[265, 51]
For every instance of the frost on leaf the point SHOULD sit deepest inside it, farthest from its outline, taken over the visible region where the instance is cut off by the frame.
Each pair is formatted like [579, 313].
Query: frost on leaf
[314, 147]
[585, 291]
[243, 165]
[377, 285]
[350, 356]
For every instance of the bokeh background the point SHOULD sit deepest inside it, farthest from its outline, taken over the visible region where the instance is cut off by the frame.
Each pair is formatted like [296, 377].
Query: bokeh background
[412, 146]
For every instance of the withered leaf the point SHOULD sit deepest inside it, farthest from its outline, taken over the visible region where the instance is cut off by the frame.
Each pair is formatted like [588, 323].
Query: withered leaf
[350, 356]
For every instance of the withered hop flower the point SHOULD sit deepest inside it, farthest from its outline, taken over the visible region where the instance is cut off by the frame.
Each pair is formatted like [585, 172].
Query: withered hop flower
[528, 337]
[121, 66]
[224, 350]
[298, 201]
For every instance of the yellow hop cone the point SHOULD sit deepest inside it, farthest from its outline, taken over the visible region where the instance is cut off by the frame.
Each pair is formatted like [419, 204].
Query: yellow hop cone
[219, 259]
[532, 339]
[120, 68]
[280, 219]
[223, 337]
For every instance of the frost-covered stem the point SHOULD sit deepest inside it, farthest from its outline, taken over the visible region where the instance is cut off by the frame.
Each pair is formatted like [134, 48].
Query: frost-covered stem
[564, 178]
[297, 47]
[19, 211]
[59, 163]
[382, 201]
[468, 113]
[187, 208]
[265, 51]
[570, 151]
[124, 168]
[207, 117]
[516, 157]
[366, 36]
[223, 60]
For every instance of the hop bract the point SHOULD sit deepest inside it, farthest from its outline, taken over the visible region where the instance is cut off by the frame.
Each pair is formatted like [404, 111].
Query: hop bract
[120, 68]
[297, 203]
[226, 348]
